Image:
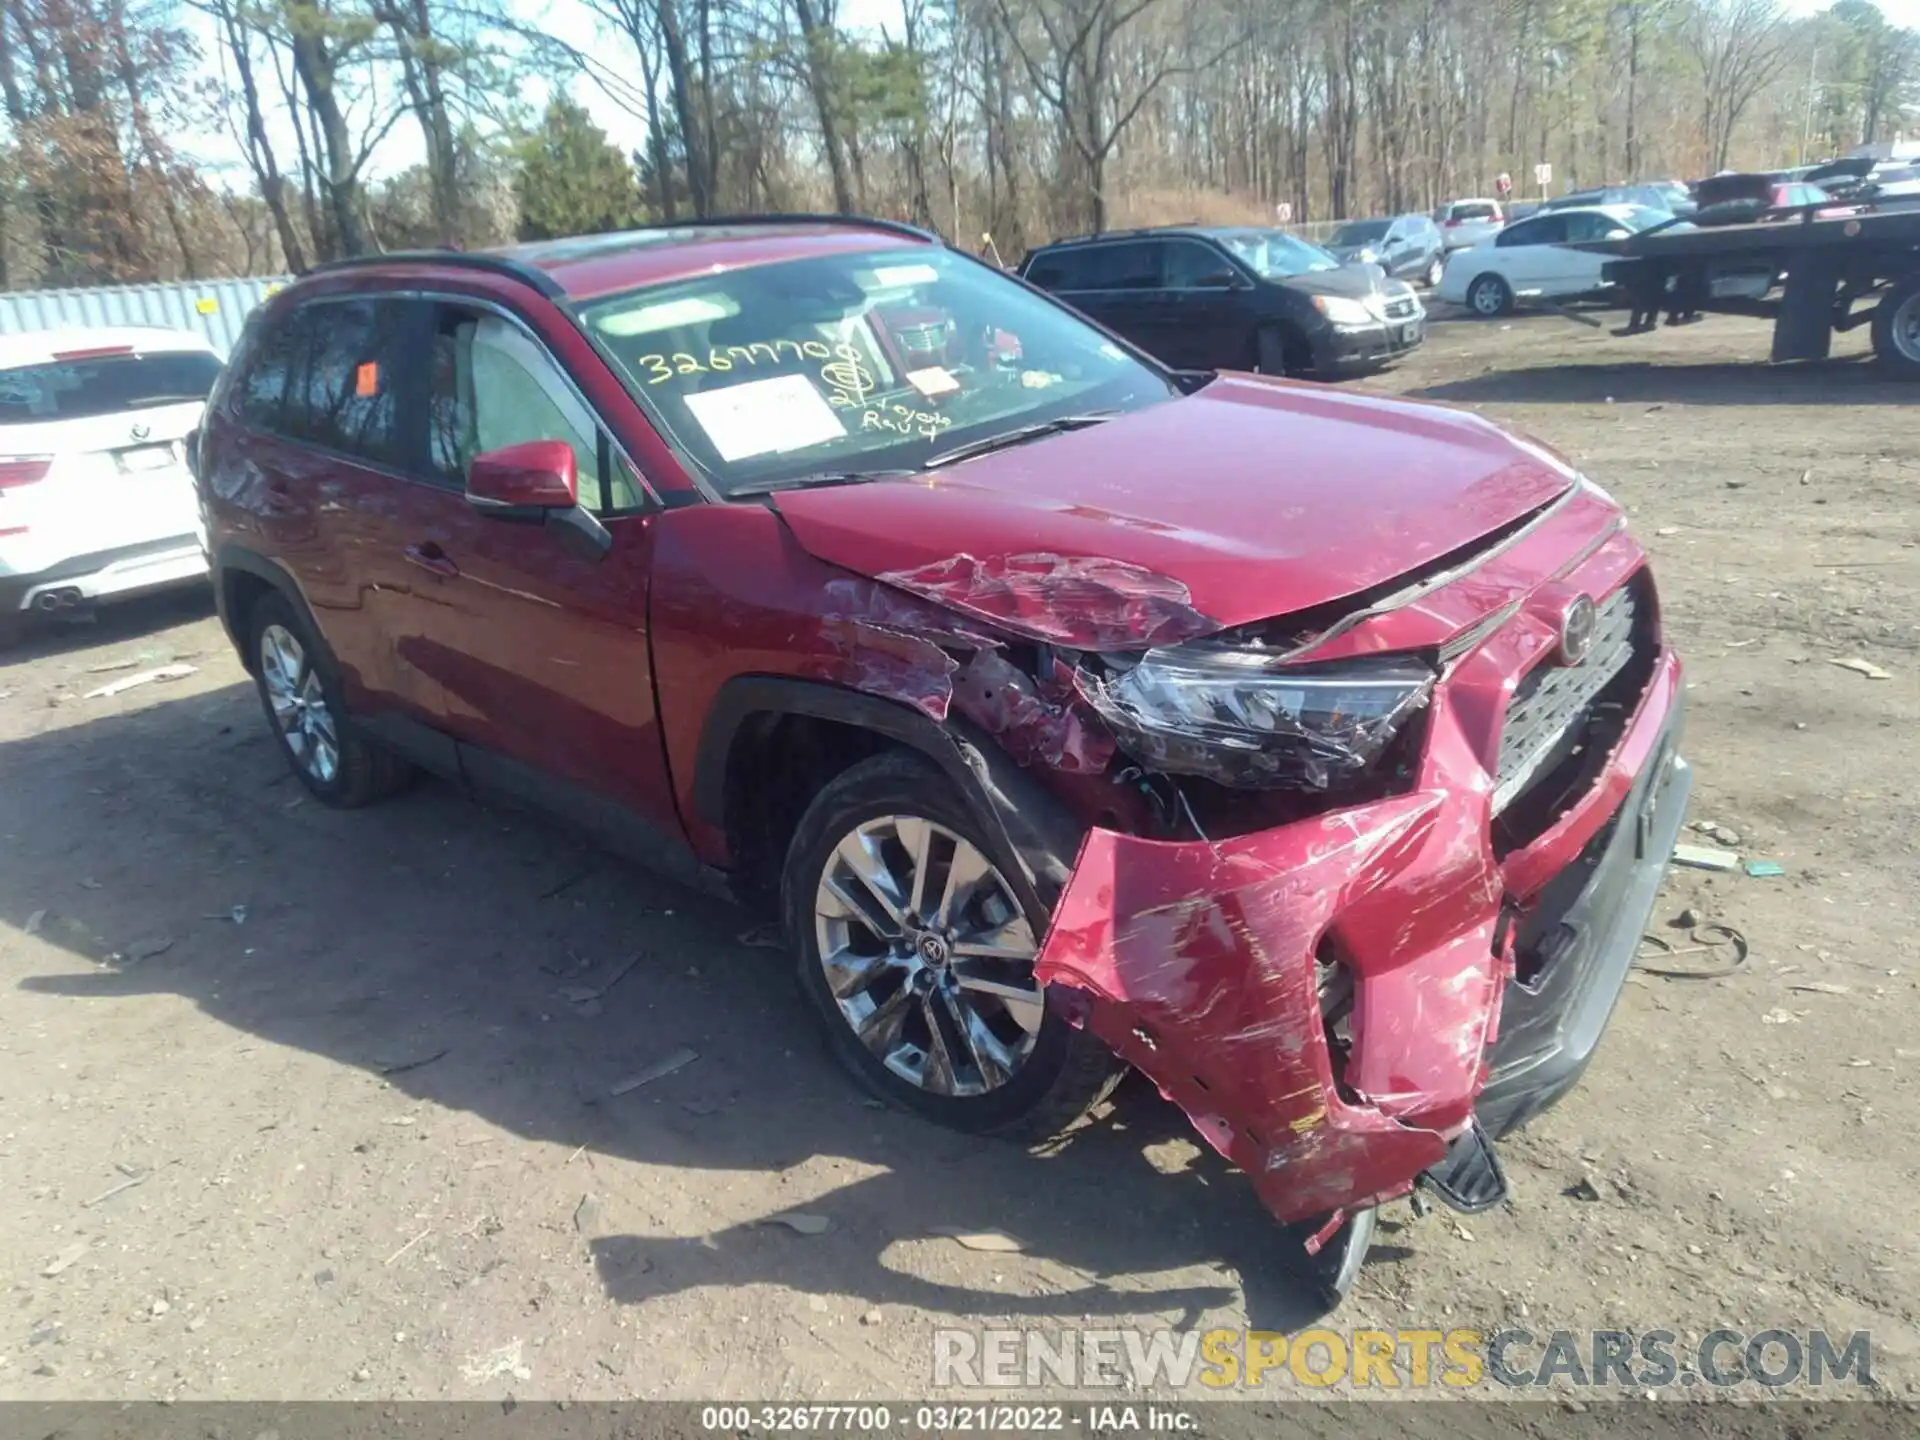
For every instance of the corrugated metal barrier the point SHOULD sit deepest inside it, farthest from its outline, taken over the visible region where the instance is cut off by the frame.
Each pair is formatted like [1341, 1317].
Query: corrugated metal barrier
[214, 308]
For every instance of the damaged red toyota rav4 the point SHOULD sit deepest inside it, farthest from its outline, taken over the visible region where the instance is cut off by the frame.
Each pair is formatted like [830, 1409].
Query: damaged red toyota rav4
[1311, 752]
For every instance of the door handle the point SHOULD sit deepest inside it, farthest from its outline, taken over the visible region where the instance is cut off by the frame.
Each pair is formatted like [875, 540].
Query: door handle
[430, 557]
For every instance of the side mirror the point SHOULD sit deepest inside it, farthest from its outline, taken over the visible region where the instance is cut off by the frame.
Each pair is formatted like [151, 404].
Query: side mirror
[535, 475]
[1218, 280]
[1619, 233]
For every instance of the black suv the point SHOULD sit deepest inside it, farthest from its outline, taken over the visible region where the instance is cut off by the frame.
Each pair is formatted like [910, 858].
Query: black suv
[1228, 298]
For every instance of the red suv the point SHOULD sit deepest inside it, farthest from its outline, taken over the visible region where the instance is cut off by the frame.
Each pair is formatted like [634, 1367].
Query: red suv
[1311, 752]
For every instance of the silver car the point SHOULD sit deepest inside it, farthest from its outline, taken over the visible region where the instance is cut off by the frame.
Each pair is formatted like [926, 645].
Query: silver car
[1465, 223]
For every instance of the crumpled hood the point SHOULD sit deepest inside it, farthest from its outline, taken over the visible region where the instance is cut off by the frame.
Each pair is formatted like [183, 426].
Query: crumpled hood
[1250, 499]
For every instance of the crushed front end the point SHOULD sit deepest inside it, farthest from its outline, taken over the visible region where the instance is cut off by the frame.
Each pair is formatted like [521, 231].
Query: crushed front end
[1337, 999]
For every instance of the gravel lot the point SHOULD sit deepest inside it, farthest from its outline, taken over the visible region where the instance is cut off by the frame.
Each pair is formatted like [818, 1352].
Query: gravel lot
[351, 1061]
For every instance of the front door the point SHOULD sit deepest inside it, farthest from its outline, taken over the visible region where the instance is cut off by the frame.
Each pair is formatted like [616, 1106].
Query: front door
[1198, 318]
[538, 646]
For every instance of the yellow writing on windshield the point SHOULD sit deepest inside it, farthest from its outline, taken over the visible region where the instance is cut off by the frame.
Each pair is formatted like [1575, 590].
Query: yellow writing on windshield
[659, 369]
[905, 420]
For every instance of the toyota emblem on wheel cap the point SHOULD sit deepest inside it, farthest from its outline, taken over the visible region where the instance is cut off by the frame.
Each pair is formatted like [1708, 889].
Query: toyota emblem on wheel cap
[1576, 631]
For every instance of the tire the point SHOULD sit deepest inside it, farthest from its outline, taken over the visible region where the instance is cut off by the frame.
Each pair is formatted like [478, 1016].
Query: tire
[1436, 271]
[1489, 296]
[1027, 1072]
[1896, 329]
[1278, 350]
[300, 692]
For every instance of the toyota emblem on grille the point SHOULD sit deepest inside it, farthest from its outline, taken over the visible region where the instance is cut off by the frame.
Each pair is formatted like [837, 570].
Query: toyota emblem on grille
[140, 432]
[1576, 631]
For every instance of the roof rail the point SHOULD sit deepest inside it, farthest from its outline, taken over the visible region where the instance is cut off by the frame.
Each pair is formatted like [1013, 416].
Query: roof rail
[1124, 234]
[862, 222]
[464, 259]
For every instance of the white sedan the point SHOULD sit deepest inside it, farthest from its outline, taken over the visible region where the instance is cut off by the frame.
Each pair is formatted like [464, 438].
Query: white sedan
[96, 502]
[1532, 259]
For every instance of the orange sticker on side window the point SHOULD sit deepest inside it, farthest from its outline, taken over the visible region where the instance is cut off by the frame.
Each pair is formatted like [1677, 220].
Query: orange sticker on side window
[366, 379]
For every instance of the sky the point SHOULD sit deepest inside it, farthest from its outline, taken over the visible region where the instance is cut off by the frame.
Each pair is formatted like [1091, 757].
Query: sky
[223, 159]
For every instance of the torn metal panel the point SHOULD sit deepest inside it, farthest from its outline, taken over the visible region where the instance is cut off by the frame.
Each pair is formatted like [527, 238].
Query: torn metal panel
[1200, 964]
[891, 644]
[1085, 601]
[1036, 722]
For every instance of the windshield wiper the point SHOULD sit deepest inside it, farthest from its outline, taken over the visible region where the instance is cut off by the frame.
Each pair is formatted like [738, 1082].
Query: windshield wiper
[1018, 436]
[817, 480]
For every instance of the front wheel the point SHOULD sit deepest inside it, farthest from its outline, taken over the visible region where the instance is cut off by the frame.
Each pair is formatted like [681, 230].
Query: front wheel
[1489, 296]
[918, 955]
[1896, 329]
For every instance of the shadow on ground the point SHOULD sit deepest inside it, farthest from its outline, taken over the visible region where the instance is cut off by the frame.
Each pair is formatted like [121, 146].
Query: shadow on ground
[1848, 381]
[434, 930]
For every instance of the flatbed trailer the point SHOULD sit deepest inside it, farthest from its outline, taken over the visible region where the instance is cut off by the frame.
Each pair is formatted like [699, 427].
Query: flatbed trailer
[1813, 277]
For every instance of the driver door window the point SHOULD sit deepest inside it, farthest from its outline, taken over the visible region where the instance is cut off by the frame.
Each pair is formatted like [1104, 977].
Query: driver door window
[1189, 265]
[493, 385]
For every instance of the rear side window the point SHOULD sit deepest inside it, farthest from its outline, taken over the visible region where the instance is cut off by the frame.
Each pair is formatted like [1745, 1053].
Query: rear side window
[83, 387]
[1543, 230]
[1130, 266]
[344, 380]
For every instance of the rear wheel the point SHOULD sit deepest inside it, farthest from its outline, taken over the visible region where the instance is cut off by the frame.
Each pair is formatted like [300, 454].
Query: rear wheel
[1896, 329]
[917, 953]
[300, 692]
[1489, 296]
[1435, 271]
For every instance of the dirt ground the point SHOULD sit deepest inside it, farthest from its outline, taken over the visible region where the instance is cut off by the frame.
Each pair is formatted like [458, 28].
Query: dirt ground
[349, 1060]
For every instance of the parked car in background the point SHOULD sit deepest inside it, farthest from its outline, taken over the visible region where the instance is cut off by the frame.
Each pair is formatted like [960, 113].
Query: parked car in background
[1464, 223]
[1317, 755]
[96, 500]
[1407, 247]
[1531, 258]
[1739, 198]
[1668, 195]
[1231, 298]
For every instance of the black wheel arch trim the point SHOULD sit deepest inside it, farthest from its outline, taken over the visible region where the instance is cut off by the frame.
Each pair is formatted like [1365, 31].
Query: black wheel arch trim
[230, 557]
[1006, 798]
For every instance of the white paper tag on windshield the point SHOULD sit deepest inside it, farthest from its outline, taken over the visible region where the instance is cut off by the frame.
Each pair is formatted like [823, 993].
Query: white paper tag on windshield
[765, 417]
[934, 380]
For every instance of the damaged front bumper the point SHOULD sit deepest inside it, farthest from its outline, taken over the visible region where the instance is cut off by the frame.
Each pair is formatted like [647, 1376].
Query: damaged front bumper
[1479, 983]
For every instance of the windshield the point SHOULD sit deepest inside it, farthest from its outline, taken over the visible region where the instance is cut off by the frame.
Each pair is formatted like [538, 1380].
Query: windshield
[104, 385]
[1274, 254]
[1362, 232]
[852, 364]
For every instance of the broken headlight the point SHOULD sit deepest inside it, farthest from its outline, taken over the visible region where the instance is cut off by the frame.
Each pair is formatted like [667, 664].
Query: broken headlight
[1237, 718]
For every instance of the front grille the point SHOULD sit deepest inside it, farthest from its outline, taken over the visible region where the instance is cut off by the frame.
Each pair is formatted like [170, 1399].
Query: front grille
[1402, 307]
[1547, 712]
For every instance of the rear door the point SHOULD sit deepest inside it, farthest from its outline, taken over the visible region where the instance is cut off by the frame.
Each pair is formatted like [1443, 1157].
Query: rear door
[107, 430]
[319, 469]
[1115, 282]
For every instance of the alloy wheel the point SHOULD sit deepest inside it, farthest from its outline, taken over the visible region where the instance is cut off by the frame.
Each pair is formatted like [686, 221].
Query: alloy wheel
[299, 704]
[928, 955]
[1487, 298]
